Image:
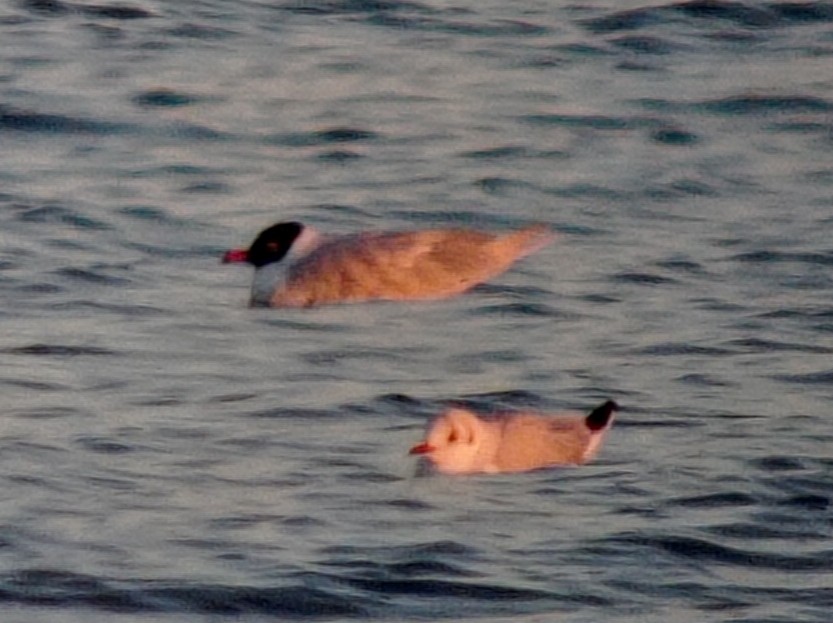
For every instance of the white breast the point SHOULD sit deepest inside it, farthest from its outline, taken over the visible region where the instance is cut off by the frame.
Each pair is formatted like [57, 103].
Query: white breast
[266, 280]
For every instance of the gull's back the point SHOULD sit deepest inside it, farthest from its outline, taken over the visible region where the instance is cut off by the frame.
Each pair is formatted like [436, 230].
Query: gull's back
[427, 264]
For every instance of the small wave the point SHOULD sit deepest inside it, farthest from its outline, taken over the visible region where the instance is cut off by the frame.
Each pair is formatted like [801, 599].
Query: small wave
[736, 12]
[715, 500]
[195, 132]
[44, 413]
[498, 153]
[508, 395]
[756, 531]
[48, 8]
[682, 266]
[156, 215]
[172, 252]
[697, 549]
[61, 215]
[402, 405]
[800, 313]
[163, 98]
[587, 191]
[39, 386]
[702, 380]
[58, 350]
[495, 401]
[139, 311]
[420, 577]
[398, 400]
[429, 548]
[779, 464]
[344, 135]
[413, 506]
[445, 589]
[336, 7]
[114, 11]
[55, 8]
[104, 445]
[594, 122]
[281, 413]
[342, 211]
[644, 45]
[757, 345]
[766, 256]
[809, 502]
[519, 309]
[679, 137]
[207, 187]
[226, 398]
[703, 12]
[326, 136]
[668, 349]
[328, 357]
[496, 28]
[824, 377]
[763, 104]
[420, 568]
[21, 120]
[643, 279]
[500, 185]
[93, 276]
[406, 15]
[200, 32]
[339, 156]
[755, 104]
[49, 587]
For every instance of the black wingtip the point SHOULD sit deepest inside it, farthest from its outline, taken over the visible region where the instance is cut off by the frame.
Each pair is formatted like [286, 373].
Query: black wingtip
[599, 417]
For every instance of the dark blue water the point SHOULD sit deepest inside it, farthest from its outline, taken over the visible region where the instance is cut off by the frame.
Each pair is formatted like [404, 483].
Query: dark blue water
[167, 453]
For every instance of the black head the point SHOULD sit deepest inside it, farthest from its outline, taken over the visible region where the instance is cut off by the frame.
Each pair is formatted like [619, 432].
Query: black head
[600, 416]
[273, 243]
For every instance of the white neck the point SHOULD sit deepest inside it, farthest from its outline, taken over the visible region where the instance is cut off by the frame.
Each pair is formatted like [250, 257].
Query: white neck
[266, 281]
[307, 240]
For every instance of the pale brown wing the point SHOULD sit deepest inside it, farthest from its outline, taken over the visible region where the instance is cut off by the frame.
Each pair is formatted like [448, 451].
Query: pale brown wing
[532, 441]
[403, 265]
[477, 256]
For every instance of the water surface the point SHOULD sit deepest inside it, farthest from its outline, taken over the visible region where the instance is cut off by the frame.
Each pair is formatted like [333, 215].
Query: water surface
[170, 454]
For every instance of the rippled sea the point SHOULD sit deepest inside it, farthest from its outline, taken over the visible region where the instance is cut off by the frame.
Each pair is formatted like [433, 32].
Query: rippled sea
[169, 454]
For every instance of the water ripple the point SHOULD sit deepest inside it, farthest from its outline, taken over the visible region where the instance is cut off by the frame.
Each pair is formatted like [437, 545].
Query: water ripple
[669, 349]
[62, 215]
[753, 105]
[768, 256]
[698, 549]
[759, 345]
[642, 279]
[327, 136]
[58, 350]
[91, 275]
[702, 12]
[50, 587]
[20, 120]
[335, 7]
[755, 531]
[715, 500]
[822, 377]
[197, 458]
[163, 98]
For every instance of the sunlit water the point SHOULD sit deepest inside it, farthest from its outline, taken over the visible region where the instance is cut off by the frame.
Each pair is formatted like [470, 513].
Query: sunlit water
[168, 453]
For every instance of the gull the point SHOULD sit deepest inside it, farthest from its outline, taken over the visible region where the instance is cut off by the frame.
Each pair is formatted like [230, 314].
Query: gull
[296, 266]
[461, 442]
